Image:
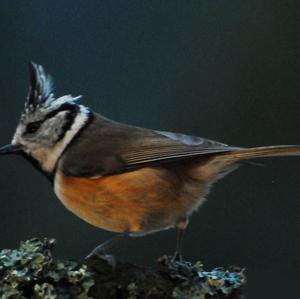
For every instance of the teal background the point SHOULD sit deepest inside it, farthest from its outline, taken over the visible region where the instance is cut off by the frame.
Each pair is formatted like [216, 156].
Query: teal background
[225, 70]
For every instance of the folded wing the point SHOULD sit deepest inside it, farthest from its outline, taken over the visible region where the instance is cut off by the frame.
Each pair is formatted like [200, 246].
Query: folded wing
[110, 147]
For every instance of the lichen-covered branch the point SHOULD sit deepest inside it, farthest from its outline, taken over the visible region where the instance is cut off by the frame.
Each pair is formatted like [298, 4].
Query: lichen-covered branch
[32, 272]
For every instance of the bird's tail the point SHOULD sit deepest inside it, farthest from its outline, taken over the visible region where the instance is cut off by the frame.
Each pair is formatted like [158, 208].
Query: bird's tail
[264, 151]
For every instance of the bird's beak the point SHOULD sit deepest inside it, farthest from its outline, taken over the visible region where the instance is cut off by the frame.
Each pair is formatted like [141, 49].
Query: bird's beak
[10, 149]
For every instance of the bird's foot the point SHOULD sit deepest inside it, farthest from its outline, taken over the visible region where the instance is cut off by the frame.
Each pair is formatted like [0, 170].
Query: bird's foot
[175, 265]
[177, 257]
[100, 251]
[181, 270]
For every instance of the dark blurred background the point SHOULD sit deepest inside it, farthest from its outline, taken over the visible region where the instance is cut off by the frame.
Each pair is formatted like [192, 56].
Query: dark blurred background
[225, 70]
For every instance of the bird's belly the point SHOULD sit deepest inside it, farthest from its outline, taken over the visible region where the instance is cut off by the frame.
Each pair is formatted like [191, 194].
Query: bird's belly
[139, 201]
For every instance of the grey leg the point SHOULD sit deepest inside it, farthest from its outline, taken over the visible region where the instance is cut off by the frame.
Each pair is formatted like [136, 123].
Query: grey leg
[100, 250]
[181, 226]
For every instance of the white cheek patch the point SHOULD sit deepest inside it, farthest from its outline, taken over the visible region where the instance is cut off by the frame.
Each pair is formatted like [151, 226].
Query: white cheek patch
[50, 129]
[50, 156]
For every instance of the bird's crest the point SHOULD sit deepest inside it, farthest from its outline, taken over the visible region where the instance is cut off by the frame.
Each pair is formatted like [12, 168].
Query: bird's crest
[40, 95]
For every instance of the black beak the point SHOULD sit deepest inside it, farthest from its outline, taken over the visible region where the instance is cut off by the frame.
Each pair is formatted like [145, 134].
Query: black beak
[10, 149]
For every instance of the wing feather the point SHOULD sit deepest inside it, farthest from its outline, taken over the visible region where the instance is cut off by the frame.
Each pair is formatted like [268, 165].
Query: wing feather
[111, 147]
[168, 146]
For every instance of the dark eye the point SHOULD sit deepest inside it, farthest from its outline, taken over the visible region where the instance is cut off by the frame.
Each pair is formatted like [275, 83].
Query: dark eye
[33, 127]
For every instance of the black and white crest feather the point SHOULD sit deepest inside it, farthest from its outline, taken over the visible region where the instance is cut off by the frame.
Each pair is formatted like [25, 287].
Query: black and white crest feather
[41, 88]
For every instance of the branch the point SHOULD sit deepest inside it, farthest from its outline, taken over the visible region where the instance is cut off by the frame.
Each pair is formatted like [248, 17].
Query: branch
[32, 272]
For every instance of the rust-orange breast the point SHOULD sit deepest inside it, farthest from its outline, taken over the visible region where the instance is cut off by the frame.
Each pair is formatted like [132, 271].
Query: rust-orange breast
[139, 201]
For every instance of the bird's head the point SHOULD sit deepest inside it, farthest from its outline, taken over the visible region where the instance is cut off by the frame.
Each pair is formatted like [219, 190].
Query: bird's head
[47, 124]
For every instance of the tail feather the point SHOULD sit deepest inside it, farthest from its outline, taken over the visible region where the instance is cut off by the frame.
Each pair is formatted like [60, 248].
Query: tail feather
[264, 151]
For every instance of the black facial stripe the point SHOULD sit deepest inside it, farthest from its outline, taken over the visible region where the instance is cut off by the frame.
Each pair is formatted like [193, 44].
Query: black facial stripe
[64, 107]
[70, 118]
[89, 120]
[72, 112]
[73, 109]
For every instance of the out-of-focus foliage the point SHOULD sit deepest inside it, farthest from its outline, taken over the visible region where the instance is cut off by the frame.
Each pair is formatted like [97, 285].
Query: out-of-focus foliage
[32, 272]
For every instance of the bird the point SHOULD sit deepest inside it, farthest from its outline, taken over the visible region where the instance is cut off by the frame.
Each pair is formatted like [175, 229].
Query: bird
[118, 177]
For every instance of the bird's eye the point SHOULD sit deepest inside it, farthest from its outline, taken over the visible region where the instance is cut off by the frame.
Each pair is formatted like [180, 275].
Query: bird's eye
[33, 127]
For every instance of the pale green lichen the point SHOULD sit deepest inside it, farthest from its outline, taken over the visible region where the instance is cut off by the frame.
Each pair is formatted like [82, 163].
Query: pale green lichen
[195, 283]
[212, 283]
[32, 272]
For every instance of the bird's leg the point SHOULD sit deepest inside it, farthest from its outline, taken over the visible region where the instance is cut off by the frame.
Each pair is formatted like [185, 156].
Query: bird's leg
[100, 250]
[181, 226]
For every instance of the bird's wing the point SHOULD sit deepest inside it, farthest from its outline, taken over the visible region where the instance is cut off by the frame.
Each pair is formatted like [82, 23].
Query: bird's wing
[168, 146]
[106, 147]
